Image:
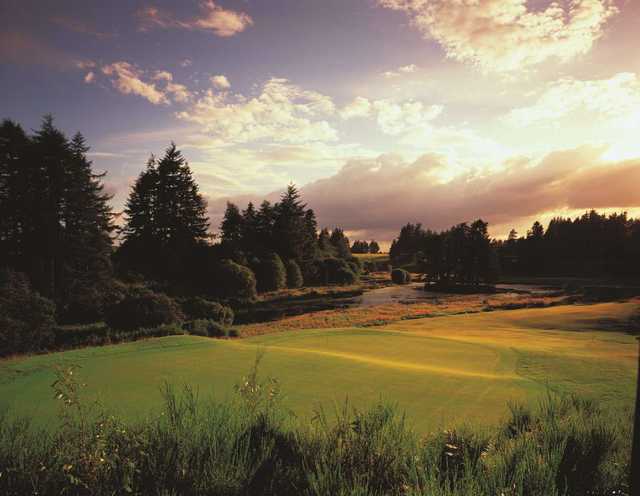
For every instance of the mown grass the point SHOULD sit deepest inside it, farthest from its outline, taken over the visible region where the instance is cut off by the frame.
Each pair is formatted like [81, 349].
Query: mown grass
[441, 370]
[250, 445]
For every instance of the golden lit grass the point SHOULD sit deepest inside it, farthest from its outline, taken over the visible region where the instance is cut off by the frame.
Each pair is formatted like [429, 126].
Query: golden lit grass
[310, 292]
[442, 370]
[385, 314]
[374, 257]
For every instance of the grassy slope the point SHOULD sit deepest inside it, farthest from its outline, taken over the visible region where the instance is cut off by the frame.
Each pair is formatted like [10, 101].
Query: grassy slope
[442, 370]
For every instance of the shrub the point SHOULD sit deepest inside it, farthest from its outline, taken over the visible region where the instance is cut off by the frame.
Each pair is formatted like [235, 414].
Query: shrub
[26, 318]
[142, 308]
[356, 266]
[294, 275]
[400, 276]
[236, 281]
[333, 271]
[345, 276]
[199, 308]
[246, 447]
[205, 327]
[86, 303]
[272, 274]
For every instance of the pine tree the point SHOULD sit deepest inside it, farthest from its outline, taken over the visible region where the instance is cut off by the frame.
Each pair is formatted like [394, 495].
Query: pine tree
[250, 240]
[87, 235]
[165, 219]
[340, 243]
[374, 247]
[289, 227]
[180, 219]
[14, 192]
[264, 233]
[324, 241]
[58, 223]
[231, 228]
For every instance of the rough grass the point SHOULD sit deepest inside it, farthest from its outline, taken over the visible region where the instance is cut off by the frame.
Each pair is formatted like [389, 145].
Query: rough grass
[250, 446]
[441, 370]
[372, 257]
[385, 314]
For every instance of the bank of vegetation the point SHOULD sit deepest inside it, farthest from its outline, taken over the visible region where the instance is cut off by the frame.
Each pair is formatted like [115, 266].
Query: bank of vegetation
[250, 445]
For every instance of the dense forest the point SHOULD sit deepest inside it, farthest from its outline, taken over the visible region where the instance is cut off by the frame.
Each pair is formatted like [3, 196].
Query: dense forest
[64, 260]
[592, 245]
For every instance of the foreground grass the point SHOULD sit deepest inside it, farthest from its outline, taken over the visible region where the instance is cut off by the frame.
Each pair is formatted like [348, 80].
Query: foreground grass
[442, 370]
[246, 446]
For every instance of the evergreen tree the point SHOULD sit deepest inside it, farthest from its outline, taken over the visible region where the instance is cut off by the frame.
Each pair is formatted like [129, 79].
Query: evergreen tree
[250, 240]
[324, 241]
[374, 247]
[57, 224]
[231, 228]
[265, 222]
[272, 274]
[289, 226]
[165, 219]
[294, 275]
[14, 193]
[88, 242]
[340, 243]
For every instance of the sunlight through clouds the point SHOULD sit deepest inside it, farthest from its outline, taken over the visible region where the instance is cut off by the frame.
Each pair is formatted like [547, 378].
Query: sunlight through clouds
[508, 35]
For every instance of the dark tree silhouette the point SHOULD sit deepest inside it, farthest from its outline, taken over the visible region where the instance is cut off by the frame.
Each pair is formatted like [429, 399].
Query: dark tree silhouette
[165, 219]
[340, 243]
[56, 223]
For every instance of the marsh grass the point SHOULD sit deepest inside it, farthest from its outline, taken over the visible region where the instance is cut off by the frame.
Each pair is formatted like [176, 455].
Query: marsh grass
[380, 315]
[251, 445]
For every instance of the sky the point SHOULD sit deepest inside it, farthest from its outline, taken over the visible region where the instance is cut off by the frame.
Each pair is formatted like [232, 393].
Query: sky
[383, 112]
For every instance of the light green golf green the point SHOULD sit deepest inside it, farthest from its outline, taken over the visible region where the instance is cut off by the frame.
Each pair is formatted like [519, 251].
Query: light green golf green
[441, 371]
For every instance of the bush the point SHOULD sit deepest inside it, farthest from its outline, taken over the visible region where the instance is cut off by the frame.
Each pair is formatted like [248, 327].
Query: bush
[87, 303]
[569, 447]
[400, 276]
[199, 308]
[333, 271]
[236, 281]
[272, 274]
[356, 266]
[142, 308]
[26, 318]
[294, 275]
[205, 327]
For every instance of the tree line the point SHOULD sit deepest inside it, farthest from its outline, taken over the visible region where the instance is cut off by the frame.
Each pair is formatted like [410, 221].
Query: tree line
[463, 254]
[591, 245]
[61, 251]
[364, 247]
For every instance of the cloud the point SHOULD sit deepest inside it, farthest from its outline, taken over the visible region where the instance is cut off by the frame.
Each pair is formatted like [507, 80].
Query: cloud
[617, 97]
[399, 118]
[126, 78]
[282, 112]
[359, 107]
[405, 69]
[218, 20]
[159, 89]
[508, 35]
[392, 192]
[178, 92]
[186, 62]
[221, 82]
[90, 77]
